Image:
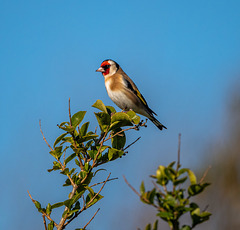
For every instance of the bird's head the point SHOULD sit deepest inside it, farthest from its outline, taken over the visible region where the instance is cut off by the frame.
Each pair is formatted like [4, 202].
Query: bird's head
[108, 68]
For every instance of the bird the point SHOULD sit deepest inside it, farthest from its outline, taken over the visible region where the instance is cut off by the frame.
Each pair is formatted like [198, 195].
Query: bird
[123, 91]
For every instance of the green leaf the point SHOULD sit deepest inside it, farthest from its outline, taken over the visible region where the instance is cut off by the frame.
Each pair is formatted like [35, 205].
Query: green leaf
[86, 166]
[84, 129]
[56, 166]
[77, 118]
[65, 171]
[104, 120]
[70, 158]
[68, 203]
[110, 110]
[50, 226]
[151, 195]
[161, 176]
[142, 188]
[57, 205]
[119, 140]
[67, 183]
[198, 217]
[99, 171]
[134, 117]
[67, 128]
[180, 181]
[49, 209]
[86, 138]
[185, 227]
[83, 174]
[94, 201]
[57, 152]
[165, 215]
[114, 154]
[192, 177]
[78, 195]
[155, 225]
[59, 139]
[181, 171]
[119, 120]
[99, 105]
[171, 164]
[148, 227]
[38, 205]
[195, 189]
[90, 190]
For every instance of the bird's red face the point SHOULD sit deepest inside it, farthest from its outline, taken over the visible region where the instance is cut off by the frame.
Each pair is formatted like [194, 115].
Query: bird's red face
[104, 68]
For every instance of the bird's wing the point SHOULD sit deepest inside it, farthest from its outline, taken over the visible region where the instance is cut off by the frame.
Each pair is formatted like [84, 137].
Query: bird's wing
[131, 86]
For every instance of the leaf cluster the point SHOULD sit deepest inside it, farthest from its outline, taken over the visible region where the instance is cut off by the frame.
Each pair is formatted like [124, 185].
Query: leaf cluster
[78, 153]
[171, 199]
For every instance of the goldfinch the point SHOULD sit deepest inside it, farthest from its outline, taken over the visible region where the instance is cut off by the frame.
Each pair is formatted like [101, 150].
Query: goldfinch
[123, 92]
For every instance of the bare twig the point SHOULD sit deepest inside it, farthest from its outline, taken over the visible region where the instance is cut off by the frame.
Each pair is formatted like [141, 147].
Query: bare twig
[44, 136]
[179, 148]
[205, 174]
[103, 182]
[91, 219]
[131, 144]
[158, 189]
[44, 222]
[141, 197]
[69, 111]
[131, 186]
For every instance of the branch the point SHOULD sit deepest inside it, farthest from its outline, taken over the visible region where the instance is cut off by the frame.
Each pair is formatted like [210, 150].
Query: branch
[205, 174]
[141, 197]
[44, 222]
[91, 219]
[69, 112]
[131, 144]
[98, 192]
[43, 213]
[103, 182]
[85, 206]
[99, 150]
[179, 148]
[44, 136]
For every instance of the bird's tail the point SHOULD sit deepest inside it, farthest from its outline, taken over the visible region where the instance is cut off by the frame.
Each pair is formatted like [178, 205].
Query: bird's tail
[157, 123]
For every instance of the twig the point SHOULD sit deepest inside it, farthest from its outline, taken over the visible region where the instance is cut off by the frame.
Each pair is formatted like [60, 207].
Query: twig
[131, 186]
[123, 130]
[103, 182]
[91, 219]
[100, 138]
[205, 174]
[131, 144]
[179, 149]
[44, 136]
[69, 111]
[99, 150]
[44, 222]
[141, 197]
[43, 213]
[158, 189]
[87, 205]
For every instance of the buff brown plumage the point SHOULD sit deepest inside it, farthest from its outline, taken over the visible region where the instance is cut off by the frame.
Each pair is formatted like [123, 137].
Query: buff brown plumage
[124, 93]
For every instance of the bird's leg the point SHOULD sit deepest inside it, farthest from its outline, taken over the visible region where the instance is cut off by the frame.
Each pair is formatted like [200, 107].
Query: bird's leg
[125, 110]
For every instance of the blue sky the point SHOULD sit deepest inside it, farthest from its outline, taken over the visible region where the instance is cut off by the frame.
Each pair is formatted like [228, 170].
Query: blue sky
[183, 56]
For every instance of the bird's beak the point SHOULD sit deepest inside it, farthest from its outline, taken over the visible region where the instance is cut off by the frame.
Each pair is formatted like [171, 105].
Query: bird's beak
[101, 69]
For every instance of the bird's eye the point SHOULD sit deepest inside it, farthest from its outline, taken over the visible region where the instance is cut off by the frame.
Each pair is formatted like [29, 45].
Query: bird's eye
[106, 66]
